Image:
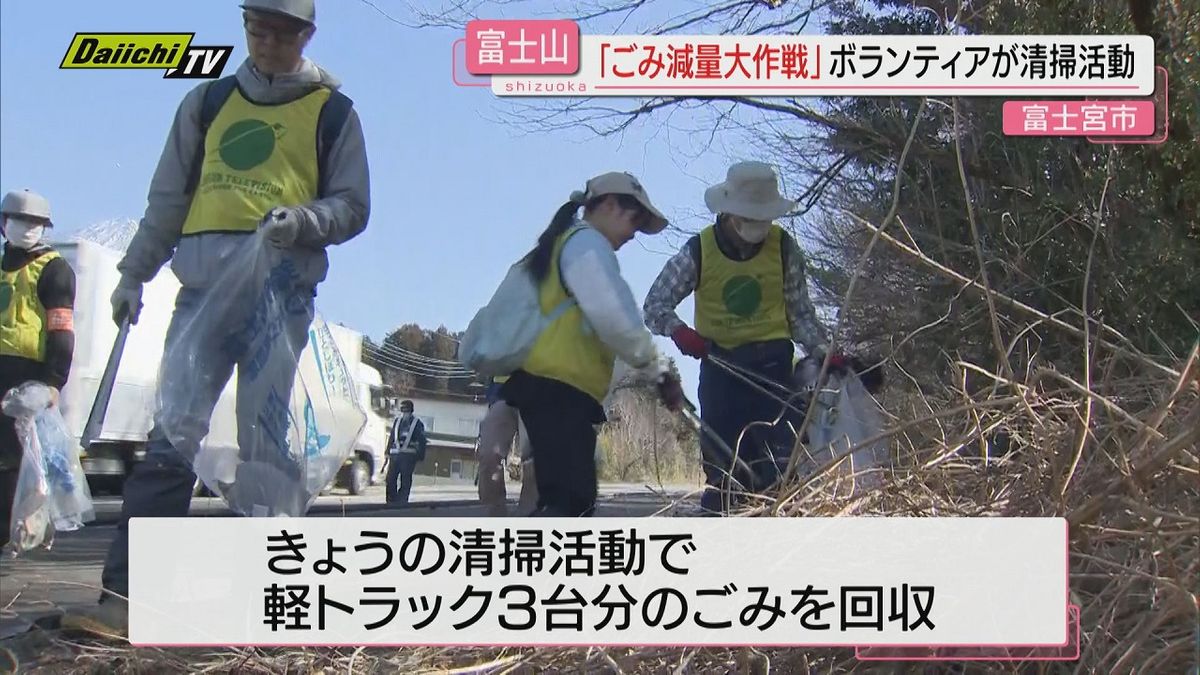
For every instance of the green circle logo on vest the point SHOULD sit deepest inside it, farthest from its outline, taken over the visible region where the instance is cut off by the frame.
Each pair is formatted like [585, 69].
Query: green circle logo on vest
[6, 294]
[248, 143]
[742, 295]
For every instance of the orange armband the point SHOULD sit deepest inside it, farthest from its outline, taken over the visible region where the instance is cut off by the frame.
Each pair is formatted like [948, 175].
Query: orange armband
[60, 319]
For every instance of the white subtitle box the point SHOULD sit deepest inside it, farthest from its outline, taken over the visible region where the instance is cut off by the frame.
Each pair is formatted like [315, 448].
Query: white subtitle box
[599, 581]
[849, 65]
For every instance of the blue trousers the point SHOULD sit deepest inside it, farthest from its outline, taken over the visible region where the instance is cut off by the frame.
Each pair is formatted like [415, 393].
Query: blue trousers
[162, 484]
[740, 415]
[400, 477]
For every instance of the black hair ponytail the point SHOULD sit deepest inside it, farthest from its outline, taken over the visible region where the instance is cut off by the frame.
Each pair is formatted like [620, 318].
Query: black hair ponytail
[539, 258]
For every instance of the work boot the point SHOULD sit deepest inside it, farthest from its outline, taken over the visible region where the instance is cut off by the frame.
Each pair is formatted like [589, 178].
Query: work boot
[108, 619]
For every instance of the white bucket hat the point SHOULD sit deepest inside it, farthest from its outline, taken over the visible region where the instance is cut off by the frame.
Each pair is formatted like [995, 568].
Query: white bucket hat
[750, 190]
[622, 183]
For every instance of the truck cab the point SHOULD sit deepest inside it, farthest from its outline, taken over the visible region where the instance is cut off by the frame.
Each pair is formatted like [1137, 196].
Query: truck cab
[364, 466]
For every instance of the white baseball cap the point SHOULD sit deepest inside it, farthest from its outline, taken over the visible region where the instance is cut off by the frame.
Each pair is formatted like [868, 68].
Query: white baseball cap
[622, 183]
[301, 10]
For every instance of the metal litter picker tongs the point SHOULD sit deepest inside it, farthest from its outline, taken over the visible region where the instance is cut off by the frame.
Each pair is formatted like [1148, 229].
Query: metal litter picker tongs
[688, 411]
[95, 421]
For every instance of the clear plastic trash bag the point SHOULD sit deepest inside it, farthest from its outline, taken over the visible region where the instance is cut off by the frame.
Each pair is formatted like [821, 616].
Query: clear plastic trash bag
[253, 391]
[52, 492]
[845, 416]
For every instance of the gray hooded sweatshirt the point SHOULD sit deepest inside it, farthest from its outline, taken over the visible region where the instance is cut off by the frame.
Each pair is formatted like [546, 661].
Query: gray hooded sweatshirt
[199, 259]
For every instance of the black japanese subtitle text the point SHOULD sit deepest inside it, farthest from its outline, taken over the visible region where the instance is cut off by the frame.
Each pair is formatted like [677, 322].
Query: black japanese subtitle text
[289, 604]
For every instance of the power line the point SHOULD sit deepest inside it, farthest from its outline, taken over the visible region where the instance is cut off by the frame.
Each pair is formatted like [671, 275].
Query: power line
[400, 357]
[417, 356]
[418, 369]
[404, 368]
[427, 368]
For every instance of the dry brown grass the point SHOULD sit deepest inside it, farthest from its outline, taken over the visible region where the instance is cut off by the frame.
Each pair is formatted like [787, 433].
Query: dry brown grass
[1126, 481]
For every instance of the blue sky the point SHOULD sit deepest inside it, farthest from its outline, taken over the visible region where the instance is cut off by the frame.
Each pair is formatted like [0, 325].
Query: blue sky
[456, 195]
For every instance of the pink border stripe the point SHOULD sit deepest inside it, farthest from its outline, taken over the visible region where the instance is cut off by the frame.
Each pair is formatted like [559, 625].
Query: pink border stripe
[454, 66]
[1066, 604]
[1068, 652]
[1166, 118]
[863, 87]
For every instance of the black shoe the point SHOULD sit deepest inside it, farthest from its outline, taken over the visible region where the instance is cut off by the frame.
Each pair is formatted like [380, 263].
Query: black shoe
[108, 619]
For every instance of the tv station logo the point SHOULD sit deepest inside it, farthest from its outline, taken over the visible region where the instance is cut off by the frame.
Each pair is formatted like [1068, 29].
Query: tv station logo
[173, 53]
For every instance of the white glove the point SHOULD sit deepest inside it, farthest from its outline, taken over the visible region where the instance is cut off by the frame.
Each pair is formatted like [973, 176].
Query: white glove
[127, 299]
[654, 369]
[281, 226]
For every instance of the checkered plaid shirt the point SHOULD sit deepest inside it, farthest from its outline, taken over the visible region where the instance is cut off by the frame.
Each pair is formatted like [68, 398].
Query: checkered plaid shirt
[678, 280]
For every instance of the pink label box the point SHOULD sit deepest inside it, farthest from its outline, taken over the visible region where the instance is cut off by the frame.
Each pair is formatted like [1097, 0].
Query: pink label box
[522, 47]
[1078, 118]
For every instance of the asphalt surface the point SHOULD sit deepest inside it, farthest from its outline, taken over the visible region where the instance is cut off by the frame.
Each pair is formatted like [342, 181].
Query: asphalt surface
[36, 587]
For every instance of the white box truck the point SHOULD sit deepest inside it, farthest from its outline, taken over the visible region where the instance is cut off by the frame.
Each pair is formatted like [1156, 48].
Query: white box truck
[127, 423]
[364, 467]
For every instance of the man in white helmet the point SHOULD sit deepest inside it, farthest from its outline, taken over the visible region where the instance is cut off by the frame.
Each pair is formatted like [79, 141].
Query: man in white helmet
[275, 146]
[37, 336]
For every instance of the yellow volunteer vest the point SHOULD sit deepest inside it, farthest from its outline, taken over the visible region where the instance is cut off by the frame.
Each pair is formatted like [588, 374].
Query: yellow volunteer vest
[500, 379]
[568, 350]
[741, 302]
[256, 157]
[22, 317]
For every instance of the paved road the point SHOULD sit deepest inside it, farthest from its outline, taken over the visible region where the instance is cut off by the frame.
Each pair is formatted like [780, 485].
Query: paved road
[426, 491]
[37, 586]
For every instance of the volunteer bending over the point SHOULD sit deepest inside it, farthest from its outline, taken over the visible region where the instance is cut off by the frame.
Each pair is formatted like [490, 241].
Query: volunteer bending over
[751, 303]
[560, 389]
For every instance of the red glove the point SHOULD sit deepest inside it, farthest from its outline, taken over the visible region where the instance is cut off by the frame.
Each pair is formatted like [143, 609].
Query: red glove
[690, 342]
[838, 361]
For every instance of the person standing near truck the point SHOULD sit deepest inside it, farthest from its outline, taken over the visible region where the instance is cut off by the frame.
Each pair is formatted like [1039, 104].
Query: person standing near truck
[406, 449]
[281, 123]
[37, 333]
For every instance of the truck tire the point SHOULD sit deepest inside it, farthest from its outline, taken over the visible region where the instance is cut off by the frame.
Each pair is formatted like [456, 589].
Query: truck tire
[358, 478]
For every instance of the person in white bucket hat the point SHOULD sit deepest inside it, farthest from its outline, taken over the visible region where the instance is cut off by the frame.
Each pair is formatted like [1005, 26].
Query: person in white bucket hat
[751, 305]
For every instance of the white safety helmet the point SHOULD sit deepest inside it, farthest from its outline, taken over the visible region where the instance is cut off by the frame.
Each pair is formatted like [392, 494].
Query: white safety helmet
[28, 204]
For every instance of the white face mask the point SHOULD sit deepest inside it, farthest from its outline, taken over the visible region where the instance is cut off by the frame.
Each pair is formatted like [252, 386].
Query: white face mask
[751, 231]
[22, 233]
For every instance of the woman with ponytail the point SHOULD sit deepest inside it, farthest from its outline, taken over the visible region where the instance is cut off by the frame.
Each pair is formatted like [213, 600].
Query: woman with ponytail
[560, 389]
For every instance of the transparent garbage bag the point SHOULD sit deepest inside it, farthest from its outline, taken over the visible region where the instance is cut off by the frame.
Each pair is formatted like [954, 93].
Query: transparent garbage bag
[845, 416]
[52, 492]
[253, 391]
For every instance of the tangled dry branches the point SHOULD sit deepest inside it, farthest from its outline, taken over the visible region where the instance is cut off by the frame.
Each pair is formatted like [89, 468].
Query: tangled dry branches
[1124, 476]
